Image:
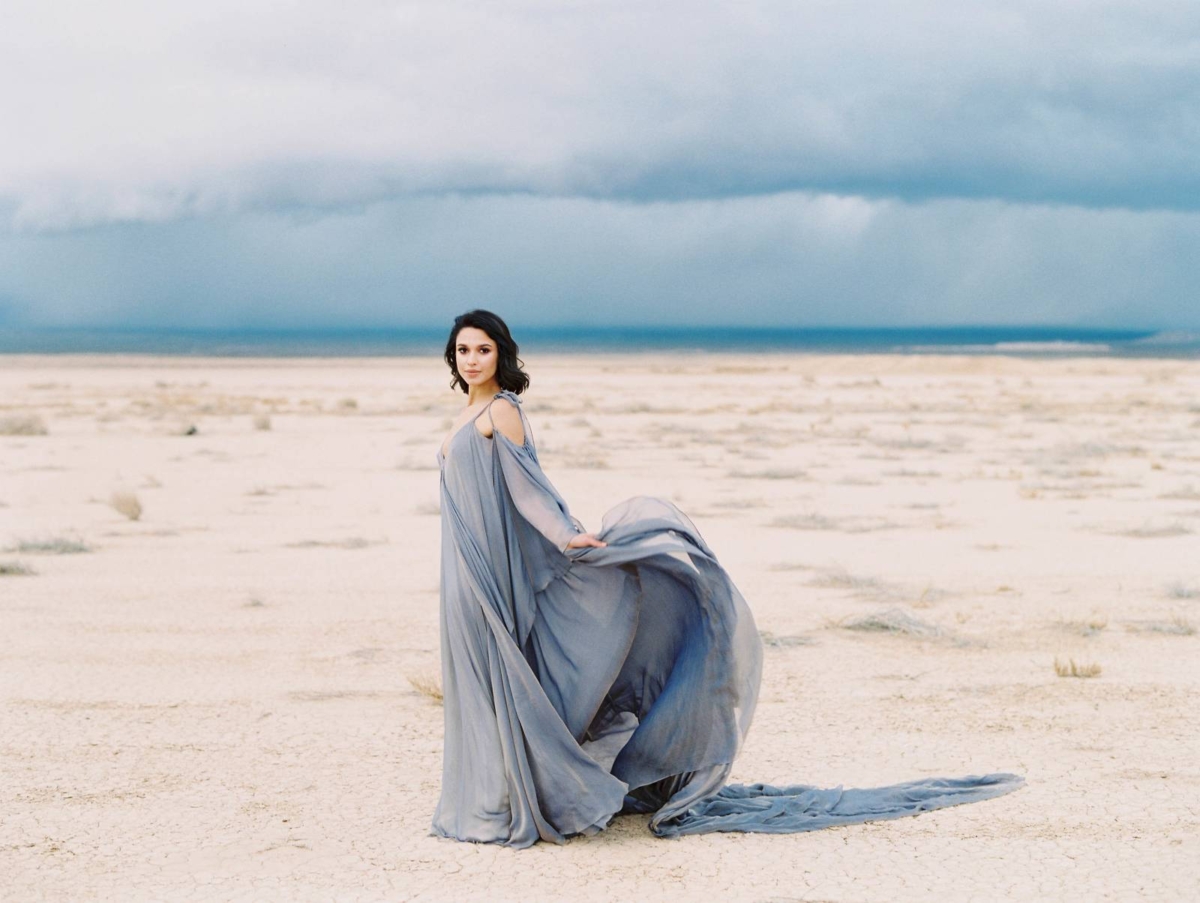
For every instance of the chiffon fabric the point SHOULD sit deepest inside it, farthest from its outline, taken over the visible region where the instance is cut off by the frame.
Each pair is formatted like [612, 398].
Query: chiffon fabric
[579, 684]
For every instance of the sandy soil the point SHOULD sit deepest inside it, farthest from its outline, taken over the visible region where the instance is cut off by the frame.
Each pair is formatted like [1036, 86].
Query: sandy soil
[221, 699]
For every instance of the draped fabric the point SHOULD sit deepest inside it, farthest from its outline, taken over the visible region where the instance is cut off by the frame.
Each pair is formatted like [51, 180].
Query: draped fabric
[579, 684]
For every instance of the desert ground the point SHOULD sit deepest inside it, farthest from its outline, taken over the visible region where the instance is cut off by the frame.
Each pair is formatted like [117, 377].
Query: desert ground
[219, 596]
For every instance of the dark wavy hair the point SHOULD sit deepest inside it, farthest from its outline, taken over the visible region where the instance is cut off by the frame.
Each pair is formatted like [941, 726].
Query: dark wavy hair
[508, 366]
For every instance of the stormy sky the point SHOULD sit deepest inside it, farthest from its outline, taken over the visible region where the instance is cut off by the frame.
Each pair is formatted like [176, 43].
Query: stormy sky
[297, 164]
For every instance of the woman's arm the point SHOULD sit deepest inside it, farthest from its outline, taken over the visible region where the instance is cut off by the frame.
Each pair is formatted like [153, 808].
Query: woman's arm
[536, 499]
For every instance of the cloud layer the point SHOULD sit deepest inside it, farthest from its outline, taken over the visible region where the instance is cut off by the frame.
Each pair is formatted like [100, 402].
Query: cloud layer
[789, 259]
[150, 111]
[372, 163]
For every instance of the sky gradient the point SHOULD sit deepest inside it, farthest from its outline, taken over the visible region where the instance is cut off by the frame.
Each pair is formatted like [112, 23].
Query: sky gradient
[389, 164]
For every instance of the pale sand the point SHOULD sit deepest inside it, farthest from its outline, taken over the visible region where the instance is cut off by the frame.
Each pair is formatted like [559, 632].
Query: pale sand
[205, 707]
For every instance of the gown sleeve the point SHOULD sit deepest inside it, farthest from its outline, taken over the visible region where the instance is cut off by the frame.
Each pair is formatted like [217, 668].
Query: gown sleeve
[532, 493]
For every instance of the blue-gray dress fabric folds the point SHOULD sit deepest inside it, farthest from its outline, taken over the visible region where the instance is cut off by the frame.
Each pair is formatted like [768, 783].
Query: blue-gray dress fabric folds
[579, 684]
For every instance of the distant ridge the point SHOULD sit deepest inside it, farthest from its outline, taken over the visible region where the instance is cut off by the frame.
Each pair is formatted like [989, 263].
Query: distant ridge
[1027, 341]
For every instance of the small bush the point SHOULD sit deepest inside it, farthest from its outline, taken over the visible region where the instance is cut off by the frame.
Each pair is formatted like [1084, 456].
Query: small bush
[427, 685]
[806, 522]
[585, 461]
[1183, 494]
[1071, 668]
[15, 569]
[1177, 626]
[262, 421]
[893, 620]
[22, 425]
[840, 579]
[352, 542]
[54, 545]
[1156, 531]
[127, 503]
[770, 639]
[1088, 627]
[814, 521]
[769, 473]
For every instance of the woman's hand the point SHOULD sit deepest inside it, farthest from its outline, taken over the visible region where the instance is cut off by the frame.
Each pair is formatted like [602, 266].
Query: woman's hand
[586, 540]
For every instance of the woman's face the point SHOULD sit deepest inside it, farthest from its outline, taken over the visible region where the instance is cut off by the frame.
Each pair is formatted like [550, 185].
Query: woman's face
[475, 356]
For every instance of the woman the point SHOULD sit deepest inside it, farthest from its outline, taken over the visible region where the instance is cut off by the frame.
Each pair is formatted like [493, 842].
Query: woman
[591, 674]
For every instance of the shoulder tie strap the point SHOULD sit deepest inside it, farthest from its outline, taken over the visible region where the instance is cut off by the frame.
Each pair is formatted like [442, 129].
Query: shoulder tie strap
[515, 399]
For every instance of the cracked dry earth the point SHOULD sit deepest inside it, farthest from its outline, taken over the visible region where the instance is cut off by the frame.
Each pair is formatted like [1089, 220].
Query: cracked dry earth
[222, 700]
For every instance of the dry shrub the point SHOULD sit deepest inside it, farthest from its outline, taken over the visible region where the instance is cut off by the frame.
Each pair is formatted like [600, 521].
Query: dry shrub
[1088, 627]
[1071, 668]
[769, 473]
[417, 463]
[15, 569]
[810, 521]
[838, 578]
[53, 545]
[1177, 626]
[351, 542]
[127, 503]
[814, 521]
[1183, 494]
[791, 566]
[22, 425]
[893, 620]
[740, 504]
[262, 421]
[1156, 531]
[585, 461]
[771, 639]
[427, 685]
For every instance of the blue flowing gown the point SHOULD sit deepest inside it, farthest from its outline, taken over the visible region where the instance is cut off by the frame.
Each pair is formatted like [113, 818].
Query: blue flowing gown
[579, 684]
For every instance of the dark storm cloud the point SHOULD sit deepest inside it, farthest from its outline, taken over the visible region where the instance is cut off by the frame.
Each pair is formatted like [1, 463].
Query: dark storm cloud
[793, 259]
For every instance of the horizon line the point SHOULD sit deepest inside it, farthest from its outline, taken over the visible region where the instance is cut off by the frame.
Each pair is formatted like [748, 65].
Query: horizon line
[612, 327]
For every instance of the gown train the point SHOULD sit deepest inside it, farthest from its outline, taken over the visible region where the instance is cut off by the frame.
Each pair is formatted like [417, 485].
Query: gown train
[579, 684]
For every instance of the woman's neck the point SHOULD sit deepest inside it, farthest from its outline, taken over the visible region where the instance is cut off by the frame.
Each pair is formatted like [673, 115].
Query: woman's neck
[476, 394]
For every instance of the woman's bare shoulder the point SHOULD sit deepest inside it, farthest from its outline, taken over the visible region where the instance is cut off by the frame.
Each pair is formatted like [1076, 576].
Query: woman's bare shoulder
[507, 419]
